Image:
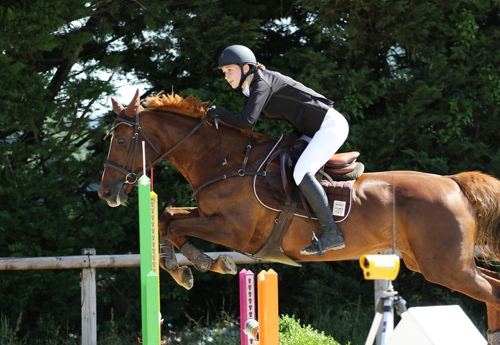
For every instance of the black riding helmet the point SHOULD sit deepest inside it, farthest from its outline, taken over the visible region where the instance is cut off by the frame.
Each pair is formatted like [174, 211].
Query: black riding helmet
[238, 55]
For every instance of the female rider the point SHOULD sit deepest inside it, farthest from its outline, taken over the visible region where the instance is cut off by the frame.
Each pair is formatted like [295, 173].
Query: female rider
[276, 96]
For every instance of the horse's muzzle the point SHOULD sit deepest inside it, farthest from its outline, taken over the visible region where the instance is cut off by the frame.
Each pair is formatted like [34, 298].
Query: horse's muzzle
[113, 196]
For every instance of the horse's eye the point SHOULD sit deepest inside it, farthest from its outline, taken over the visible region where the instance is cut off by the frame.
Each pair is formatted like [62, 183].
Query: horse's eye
[121, 141]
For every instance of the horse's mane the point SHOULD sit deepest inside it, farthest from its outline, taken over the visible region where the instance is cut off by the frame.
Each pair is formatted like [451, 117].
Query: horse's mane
[190, 105]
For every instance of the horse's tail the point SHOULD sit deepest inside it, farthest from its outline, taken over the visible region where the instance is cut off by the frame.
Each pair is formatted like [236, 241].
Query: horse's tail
[483, 191]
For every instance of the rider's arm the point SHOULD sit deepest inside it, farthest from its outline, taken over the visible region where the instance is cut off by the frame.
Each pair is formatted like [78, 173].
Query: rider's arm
[260, 93]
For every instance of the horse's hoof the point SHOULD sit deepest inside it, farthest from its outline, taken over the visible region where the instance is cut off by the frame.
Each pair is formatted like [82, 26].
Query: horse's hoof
[493, 338]
[186, 279]
[227, 264]
[183, 276]
[169, 265]
[203, 263]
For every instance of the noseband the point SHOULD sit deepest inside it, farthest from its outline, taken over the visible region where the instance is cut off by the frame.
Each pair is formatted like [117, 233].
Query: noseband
[130, 176]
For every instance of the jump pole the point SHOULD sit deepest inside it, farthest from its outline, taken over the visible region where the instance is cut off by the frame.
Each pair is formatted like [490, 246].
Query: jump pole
[248, 306]
[148, 243]
[268, 307]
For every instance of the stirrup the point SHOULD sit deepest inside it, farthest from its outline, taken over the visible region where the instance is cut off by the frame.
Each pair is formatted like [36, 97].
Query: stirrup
[320, 247]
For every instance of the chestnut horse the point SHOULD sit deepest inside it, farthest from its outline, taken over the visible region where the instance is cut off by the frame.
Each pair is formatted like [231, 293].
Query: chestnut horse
[439, 219]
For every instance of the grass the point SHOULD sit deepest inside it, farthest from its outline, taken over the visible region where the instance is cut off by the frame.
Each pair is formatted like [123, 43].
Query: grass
[8, 334]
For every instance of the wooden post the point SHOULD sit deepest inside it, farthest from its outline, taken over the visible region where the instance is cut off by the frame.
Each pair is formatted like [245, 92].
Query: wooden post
[89, 304]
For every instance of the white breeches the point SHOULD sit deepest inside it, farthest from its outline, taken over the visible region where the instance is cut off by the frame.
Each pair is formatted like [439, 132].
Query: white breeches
[323, 145]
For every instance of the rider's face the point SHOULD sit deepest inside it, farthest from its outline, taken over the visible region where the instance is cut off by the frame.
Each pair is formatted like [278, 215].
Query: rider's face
[232, 73]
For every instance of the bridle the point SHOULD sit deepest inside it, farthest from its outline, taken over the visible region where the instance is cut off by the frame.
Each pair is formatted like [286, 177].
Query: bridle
[130, 176]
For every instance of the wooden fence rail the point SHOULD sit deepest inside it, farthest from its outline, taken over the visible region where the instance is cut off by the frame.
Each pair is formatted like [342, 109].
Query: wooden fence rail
[100, 261]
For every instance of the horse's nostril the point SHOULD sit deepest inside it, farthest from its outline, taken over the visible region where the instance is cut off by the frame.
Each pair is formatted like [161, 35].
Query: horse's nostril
[107, 191]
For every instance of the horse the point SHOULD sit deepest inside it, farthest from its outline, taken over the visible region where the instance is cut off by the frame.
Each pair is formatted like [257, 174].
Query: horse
[439, 220]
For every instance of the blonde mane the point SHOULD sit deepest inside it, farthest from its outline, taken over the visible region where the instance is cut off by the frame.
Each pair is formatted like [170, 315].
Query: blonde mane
[190, 105]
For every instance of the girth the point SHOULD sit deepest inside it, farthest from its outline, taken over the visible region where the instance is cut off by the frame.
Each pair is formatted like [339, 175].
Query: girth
[272, 249]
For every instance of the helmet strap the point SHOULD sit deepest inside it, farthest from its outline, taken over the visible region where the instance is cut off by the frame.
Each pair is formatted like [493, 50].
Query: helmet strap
[245, 75]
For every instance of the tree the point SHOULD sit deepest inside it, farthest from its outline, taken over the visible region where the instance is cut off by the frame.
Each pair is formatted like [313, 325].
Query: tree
[51, 141]
[419, 84]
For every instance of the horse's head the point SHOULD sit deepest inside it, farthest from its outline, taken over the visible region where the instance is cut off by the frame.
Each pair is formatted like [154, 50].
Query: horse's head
[125, 163]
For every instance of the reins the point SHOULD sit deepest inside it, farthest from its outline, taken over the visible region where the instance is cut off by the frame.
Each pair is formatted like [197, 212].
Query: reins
[129, 174]
[132, 177]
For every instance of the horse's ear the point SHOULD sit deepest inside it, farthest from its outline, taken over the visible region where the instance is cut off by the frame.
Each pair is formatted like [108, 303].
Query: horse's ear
[134, 106]
[117, 107]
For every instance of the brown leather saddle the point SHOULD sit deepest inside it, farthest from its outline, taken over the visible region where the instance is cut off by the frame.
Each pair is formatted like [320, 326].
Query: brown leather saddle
[277, 190]
[280, 165]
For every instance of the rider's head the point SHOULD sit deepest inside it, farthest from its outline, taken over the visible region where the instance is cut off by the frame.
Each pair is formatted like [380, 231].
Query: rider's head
[241, 56]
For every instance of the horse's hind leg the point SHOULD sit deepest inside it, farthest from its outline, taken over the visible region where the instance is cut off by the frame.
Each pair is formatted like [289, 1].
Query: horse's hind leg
[493, 313]
[493, 325]
[464, 276]
[489, 293]
[483, 285]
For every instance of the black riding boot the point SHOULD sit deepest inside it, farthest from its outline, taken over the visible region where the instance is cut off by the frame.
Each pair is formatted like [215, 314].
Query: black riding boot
[331, 236]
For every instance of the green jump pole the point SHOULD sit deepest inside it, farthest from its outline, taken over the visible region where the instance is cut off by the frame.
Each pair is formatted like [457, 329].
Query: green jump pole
[148, 259]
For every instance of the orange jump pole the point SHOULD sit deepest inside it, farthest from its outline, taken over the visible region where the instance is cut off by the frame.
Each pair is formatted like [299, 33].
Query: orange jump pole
[268, 307]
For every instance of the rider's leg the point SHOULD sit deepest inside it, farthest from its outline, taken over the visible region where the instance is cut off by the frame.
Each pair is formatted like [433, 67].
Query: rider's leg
[325, 142]
[331, 236]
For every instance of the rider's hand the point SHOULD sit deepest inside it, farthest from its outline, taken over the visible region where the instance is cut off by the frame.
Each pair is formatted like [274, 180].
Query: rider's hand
[213, 113]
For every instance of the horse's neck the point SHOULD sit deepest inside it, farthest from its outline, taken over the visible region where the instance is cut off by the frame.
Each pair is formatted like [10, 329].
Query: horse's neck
[199, 157]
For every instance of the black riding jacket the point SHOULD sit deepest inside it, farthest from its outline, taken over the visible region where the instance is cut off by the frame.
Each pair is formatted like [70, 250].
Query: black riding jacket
[279, 97]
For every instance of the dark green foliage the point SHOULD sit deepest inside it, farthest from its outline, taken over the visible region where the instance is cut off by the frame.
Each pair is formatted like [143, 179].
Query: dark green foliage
[418, 81]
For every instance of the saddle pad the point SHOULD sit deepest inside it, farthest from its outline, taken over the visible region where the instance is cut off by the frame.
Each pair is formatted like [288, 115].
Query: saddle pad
[339, 195]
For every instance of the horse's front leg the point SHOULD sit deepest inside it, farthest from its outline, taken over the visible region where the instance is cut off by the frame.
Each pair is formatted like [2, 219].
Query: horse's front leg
[168, 259]
[207, 228]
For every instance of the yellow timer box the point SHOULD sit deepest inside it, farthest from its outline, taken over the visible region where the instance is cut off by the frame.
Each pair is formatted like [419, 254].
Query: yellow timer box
[380, 266]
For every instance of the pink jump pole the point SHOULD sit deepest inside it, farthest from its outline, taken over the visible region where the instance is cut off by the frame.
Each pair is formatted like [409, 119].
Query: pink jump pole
[247, 303]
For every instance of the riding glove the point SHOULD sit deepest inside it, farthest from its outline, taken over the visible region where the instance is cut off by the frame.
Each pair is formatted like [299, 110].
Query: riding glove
[214, 113]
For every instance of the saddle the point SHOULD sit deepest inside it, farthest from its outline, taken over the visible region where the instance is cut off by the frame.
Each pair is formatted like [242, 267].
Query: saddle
[280, 166]
[277, 190]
